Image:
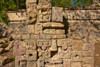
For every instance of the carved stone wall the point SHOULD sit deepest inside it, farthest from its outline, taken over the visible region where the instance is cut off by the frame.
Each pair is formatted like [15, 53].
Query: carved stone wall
[55, 36]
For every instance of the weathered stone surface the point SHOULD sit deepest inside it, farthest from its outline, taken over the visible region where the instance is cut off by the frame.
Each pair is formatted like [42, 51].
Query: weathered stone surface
[1, 49]
[31, 64]
[9, 46]
[88, 60]
[88, 54]
[88, 47]
[44, 15]
[38, 28]
[31, 55]
[53, 24]
[2, 60]
[23, 63]
[54, 45]
[77, 45]
[64, 54]
[66, 62]
[76, 64]
[25, 36]
[54, 61]
[76, 55]
[30, 44]
[87, 65]
[49, 31]
[60, 31]
[64, 42]
[40, 62]
[31, 28]
[57, 14]
[34, 36]
[19, 49]
[31, 1]
[42, 6]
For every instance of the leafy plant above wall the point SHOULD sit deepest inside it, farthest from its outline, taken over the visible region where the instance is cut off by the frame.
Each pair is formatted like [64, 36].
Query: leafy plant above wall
[9, 5]
[70, 3]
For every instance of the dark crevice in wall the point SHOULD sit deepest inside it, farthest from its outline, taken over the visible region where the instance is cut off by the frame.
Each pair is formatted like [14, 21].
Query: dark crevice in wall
[66, 25]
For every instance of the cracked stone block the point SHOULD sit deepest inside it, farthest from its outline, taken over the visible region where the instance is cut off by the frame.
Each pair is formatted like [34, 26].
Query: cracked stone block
[44, 15]
[40, 62]
[64, 54]
[76, 55]
[31, 64]
[31, 55]
[30, 44]
[54, 45]
[67, 62]
[76, 64]
[77, 45]
[34, 36]
[57, 14]
[38, 28]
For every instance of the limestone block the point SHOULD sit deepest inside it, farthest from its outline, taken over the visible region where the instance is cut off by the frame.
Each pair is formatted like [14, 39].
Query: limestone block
[38, 28]
[60, 31]
[67, 62]
[23, 63]
[44, 54]
[59, 36]
[53, 24]
[31, 64]
[31, 1]
[76, 64]
[31, 28]
[87, 65]
[42, 6]
[88, 47]
[54, 61]
[54, 45]
[31, 8]
[44, 15]
[19, 49]
[64, 54]
[25, 36]
[88, 54]
[44, 1]
[34, 36]
[49, 31]
[30, 44]
[54, 65]
[76, 55]
[43, 43]
[31, 55]
[57, 14]
[1, 49]
[40, 62]
[88, 60]
[77, 45]
[64, 42]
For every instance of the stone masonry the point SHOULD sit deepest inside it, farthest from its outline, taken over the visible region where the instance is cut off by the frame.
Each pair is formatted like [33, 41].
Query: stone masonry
[55, 36]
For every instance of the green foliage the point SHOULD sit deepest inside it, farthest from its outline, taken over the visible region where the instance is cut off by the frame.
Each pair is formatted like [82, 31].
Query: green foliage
[9, 5]
[70, 3]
